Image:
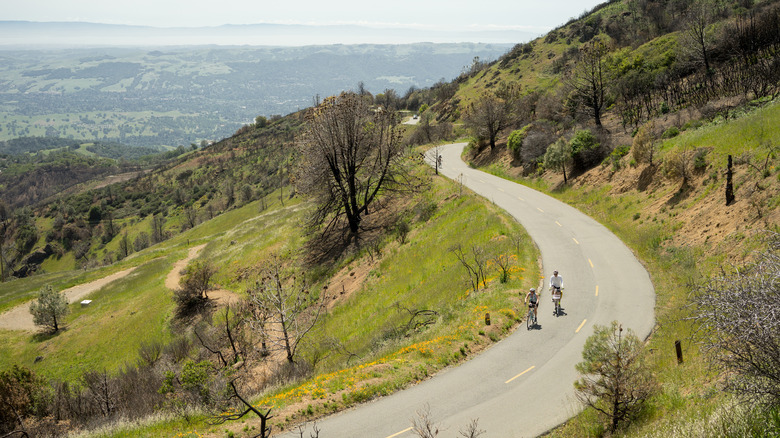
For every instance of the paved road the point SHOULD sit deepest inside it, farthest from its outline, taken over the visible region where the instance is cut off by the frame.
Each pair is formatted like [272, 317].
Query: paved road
[522, 386]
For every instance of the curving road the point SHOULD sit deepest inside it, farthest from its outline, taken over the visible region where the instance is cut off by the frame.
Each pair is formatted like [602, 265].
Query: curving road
[522, 386]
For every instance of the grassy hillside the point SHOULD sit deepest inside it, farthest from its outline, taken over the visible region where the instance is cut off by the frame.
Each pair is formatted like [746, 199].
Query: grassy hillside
[684, 234]
[235, 197]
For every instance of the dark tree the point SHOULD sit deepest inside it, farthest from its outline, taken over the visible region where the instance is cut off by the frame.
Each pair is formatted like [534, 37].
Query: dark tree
[695, 37]
[488, 116]
[729, 183]
[350, 155]
[588, 80]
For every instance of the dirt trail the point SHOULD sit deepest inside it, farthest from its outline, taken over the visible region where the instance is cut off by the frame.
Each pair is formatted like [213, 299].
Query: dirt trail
[19, 318]
[221, 296]
[172, 281]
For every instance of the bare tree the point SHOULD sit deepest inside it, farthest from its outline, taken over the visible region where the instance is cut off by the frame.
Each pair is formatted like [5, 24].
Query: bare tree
[228, 337]
[615, 382]
[291, 311]
[472, 430]
[679, 164]
[102, 391]
[349, 156]
[423, 425]
[475, 264]
[737, 316]
[588, 80]
[695, 38]
[503, 262]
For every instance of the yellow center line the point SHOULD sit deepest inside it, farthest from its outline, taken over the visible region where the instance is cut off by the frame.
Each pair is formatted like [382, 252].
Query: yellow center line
[597, 290]
[558, 223]
[581, 325]
[501, 190]
[575, 241]
[400, 433]
[513, 378]
[483, 182]
[591, 263]
[540, 209]
[520, 198]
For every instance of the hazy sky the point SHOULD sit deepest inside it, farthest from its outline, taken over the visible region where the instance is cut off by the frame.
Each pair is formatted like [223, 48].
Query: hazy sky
[533, 15]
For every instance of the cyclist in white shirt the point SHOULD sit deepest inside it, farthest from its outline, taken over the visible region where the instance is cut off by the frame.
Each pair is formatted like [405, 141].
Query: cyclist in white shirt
[556, 284]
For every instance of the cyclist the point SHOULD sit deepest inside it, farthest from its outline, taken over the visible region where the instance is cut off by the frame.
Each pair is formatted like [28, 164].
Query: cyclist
[532, 300]
[556, 284]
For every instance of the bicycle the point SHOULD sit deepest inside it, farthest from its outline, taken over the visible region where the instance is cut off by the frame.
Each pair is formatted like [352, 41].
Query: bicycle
[531, 317]
[556, 299]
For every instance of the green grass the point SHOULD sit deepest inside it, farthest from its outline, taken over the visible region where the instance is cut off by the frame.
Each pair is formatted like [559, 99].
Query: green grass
[420, 274]
[424, 274]
[104, 335]
[139, 305]
[752, 133]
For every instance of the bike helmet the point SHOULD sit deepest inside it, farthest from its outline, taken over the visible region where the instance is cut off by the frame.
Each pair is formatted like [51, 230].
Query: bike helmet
[555, 272]
[533, 289]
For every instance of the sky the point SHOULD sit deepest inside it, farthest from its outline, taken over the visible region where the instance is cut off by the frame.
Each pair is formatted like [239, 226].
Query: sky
[537, 16]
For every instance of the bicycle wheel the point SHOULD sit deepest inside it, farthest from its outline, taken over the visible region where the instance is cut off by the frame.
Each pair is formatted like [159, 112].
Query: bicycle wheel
[528, 322]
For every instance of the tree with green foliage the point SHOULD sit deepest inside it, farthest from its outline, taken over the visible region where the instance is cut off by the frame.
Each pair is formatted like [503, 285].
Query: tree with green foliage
[49, 308]
[614, 380]
[558, 156]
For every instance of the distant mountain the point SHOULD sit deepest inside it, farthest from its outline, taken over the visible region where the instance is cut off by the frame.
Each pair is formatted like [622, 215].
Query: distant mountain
[25, 34]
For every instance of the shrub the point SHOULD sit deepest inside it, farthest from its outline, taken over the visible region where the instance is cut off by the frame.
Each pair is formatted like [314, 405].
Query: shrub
[671, 132]
[736, 310]
[643, 147]
[700, 160]
[585, 151]
[21, 395]
[618, 153]
[515, 141]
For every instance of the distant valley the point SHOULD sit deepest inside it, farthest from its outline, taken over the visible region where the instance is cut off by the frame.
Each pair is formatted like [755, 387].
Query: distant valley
[170, 96]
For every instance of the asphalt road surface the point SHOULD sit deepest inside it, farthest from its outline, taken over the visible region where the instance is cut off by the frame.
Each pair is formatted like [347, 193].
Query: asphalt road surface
[523, 385]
